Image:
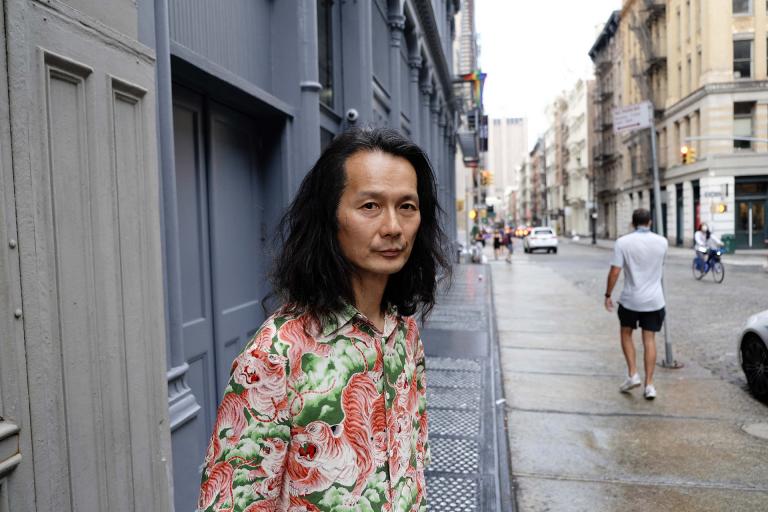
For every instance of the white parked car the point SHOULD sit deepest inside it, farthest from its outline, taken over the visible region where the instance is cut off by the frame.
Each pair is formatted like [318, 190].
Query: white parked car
[541, 238]
[753, 353]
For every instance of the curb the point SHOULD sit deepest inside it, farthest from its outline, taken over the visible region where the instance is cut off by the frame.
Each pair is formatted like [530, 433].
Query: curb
[506, 490]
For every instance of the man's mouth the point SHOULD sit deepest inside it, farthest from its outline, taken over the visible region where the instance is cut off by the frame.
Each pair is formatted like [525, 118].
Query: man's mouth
[391, 252]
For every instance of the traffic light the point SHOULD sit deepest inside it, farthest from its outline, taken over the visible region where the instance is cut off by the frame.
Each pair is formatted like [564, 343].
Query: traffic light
[687, 154]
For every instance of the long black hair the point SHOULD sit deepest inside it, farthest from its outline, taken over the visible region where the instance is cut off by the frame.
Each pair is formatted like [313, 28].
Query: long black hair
[311, 274]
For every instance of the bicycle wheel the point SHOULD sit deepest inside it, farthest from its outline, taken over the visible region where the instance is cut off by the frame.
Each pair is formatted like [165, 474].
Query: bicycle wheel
[718, 272]
[698, 270]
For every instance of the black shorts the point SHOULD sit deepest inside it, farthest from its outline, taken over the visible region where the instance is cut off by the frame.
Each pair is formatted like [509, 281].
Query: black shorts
[648, 320]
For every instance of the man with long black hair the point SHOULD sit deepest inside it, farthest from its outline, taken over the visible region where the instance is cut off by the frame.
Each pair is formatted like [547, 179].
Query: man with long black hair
[326, 405]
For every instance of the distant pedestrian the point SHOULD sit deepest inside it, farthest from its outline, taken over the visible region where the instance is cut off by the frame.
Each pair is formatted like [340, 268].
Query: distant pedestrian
[326, 405]
[506, 241]
[641, 256]
[496, 243]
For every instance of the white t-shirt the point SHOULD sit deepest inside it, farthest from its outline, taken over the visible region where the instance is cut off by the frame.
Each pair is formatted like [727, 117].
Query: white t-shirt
[641, 256]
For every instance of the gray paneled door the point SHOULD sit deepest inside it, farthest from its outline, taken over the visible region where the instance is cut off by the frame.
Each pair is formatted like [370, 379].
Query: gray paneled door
[85, 345]
[220, 224]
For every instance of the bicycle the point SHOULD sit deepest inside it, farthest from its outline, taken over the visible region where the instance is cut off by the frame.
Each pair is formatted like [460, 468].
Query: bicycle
[701, 266]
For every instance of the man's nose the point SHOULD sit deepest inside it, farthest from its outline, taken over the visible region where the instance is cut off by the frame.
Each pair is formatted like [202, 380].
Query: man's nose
[391, 223]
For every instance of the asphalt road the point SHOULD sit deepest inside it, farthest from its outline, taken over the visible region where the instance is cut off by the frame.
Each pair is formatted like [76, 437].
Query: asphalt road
[704, 318]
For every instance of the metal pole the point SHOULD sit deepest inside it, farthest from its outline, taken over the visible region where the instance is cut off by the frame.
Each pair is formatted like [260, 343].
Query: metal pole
[669, 361]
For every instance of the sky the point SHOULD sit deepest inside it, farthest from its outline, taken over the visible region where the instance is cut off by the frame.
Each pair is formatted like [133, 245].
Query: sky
[533, 50]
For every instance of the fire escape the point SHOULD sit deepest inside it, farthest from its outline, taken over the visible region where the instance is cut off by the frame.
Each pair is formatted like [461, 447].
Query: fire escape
[649, 72]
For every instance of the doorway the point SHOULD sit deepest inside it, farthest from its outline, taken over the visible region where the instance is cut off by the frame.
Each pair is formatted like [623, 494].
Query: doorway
[679, 214]
[750, 224]
[221, 224]
[751, 210]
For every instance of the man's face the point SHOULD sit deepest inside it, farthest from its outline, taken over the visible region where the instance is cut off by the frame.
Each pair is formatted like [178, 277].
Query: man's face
[378, 212]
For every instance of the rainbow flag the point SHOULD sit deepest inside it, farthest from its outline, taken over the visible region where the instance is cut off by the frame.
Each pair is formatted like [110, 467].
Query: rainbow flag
[478, 79]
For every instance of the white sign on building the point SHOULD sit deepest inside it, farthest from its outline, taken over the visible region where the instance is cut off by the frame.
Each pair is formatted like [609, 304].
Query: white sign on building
[632, 117]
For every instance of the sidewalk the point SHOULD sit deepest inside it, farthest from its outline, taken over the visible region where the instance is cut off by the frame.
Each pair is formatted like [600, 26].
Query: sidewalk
[470, 462]
[577, 444]
[742, 257]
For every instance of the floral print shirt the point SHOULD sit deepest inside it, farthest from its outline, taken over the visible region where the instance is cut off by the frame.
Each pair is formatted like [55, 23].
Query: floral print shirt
[322, 414]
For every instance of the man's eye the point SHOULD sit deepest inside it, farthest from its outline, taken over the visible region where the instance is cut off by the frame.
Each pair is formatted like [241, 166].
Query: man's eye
[369, 206]
[409, 206]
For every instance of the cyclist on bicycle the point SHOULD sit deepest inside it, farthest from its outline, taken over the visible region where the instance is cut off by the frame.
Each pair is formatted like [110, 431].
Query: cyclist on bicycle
[706, 242]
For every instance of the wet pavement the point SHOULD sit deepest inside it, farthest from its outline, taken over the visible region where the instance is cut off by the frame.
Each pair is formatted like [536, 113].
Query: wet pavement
[576, 443]
[470, 464]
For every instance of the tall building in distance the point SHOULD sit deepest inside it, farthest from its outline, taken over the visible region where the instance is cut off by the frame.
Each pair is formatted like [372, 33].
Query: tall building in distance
[507, 148]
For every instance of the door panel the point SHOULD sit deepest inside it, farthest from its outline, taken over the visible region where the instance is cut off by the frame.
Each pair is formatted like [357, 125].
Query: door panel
[236, 214]
[197, 317]
[192, 203]
[87, 201]
[679, 214]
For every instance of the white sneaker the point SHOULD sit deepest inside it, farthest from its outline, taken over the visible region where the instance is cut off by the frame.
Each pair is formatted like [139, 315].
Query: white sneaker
[630, 383]
[650, 392]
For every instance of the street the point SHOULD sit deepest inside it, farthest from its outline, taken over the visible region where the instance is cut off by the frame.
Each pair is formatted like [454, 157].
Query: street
[575, 442]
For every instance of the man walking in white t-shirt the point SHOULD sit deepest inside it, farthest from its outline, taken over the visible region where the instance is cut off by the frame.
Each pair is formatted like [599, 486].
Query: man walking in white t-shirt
[641, 255]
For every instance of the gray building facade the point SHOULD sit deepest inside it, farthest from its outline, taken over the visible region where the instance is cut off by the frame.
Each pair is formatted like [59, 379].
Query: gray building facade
[147, 150]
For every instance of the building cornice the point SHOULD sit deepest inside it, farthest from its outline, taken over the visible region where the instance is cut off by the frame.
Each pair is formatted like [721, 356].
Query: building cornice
[717, 88]
[609, 30]
[428, 22]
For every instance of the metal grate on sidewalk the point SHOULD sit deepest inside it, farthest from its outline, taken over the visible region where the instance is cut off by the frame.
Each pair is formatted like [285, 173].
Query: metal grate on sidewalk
[454, 401]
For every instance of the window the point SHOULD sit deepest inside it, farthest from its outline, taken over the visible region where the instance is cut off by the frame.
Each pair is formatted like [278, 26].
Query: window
[742, 58]
[742, 7]
[742, 123]
[325, 50]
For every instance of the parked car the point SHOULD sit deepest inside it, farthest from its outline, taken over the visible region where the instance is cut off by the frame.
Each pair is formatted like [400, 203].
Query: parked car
[540, 238]
[753, 354]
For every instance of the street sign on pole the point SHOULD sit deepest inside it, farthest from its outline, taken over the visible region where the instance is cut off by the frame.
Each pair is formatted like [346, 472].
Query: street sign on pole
[632, 117]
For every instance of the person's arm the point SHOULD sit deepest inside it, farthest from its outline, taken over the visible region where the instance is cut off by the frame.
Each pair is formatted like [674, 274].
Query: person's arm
[422, 443]
[613, 276]
[251, 437]
[617, 263]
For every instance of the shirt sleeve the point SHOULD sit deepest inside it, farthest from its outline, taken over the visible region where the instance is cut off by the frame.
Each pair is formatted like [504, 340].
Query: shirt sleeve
[246, 455]
[422, 444]
[618, 255]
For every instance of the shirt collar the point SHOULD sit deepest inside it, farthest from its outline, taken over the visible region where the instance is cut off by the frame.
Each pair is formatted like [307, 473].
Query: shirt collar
[643, 229]
[332, 322]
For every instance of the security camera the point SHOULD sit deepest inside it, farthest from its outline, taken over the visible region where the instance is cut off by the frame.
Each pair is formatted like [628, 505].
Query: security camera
[352, 115]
